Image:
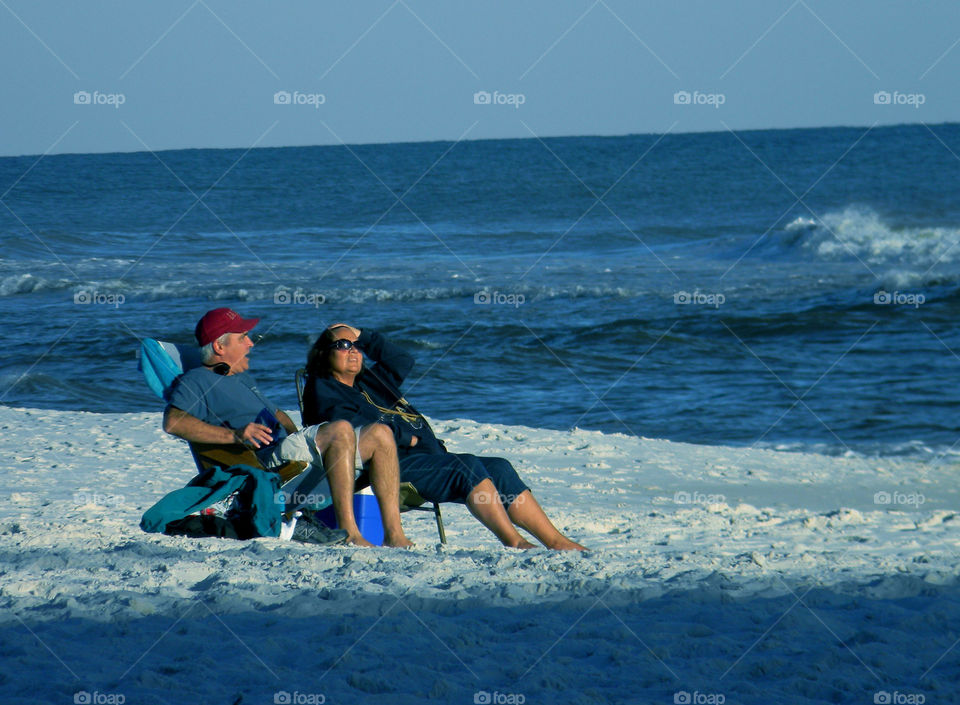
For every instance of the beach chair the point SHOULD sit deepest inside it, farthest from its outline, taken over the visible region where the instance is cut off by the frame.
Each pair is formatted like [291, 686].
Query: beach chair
[161, 363]
[410, 499]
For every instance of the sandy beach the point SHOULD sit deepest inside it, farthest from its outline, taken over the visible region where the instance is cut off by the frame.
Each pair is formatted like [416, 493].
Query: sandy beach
[716, 575]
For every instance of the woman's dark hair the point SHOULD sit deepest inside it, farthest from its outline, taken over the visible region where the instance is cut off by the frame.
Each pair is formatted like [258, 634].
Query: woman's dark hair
[318, 359]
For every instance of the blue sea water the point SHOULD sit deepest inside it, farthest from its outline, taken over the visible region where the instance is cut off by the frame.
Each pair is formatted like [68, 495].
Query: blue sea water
[792, 288]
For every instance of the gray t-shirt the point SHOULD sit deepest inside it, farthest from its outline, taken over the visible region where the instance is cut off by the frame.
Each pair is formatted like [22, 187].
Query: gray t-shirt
[221, 400]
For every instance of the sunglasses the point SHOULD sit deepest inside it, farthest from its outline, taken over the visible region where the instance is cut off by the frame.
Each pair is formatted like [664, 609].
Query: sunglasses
[343, 344]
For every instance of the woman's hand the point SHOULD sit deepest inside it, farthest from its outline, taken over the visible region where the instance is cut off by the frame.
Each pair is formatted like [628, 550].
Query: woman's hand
[355, 331]
[413, 441]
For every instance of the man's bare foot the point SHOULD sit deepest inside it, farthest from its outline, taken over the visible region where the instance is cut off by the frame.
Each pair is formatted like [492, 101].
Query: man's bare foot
[566, 544]
[400, 541]
[358, 540]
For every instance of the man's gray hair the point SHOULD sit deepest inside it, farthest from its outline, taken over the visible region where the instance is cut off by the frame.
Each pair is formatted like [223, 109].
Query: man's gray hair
[206, 352]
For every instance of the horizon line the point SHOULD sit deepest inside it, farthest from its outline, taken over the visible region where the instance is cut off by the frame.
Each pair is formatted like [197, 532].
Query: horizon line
[479, 139]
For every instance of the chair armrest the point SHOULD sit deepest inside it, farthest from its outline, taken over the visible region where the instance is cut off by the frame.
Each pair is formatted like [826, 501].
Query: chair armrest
[210, 454]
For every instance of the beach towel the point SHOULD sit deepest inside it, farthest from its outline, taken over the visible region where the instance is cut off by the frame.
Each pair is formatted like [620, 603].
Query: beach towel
[258, 499]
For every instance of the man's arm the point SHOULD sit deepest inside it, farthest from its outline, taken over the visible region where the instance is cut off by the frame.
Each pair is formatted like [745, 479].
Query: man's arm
[179, 423]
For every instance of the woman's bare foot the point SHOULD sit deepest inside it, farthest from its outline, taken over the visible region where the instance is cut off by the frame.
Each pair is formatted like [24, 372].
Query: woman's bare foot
[522, 543]
[565, 544]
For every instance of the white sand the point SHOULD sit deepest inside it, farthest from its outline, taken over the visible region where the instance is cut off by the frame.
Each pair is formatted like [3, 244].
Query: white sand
[781, 580]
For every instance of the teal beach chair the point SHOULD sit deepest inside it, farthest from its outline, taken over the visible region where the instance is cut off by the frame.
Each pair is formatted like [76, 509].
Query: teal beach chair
[161, 363]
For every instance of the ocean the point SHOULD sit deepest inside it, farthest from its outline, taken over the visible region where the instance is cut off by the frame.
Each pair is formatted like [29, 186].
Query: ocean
[789, 289]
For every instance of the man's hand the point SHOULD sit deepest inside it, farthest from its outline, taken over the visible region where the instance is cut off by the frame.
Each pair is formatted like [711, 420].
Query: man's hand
[254, 434]
[413, 441]
[355, 331]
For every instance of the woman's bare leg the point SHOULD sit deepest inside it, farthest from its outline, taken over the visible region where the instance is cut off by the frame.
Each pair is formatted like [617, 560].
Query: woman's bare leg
[484, 503]
[526, 513]
[378, 451]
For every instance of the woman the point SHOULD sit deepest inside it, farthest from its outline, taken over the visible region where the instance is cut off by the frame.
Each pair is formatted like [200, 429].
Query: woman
[340, 386]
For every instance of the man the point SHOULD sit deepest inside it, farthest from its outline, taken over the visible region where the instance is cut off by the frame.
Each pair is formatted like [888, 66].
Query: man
[340, 386]
[219, 403]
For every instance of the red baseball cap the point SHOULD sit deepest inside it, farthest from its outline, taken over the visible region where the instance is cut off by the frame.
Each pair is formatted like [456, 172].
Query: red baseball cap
[219, 321]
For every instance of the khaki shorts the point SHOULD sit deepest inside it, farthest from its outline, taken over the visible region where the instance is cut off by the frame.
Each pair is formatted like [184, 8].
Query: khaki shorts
[301, 446]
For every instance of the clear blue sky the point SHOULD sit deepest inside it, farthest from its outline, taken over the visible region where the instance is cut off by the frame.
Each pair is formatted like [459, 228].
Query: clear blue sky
[204, 73]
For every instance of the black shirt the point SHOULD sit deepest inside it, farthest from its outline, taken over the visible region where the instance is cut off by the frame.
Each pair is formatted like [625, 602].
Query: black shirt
[326, 399]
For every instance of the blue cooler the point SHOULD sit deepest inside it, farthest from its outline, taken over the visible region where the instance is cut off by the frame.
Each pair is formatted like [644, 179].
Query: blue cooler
[367, 512]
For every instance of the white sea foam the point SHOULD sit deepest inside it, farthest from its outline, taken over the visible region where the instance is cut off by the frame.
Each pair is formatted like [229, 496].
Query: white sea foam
[901, 256]
[801, 223]
[26, 283]
[379, 294]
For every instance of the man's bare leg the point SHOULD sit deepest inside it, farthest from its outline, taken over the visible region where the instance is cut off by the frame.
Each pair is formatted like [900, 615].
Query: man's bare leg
[337, 444]
[378, 451]
[526, 513]
[484, 503]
